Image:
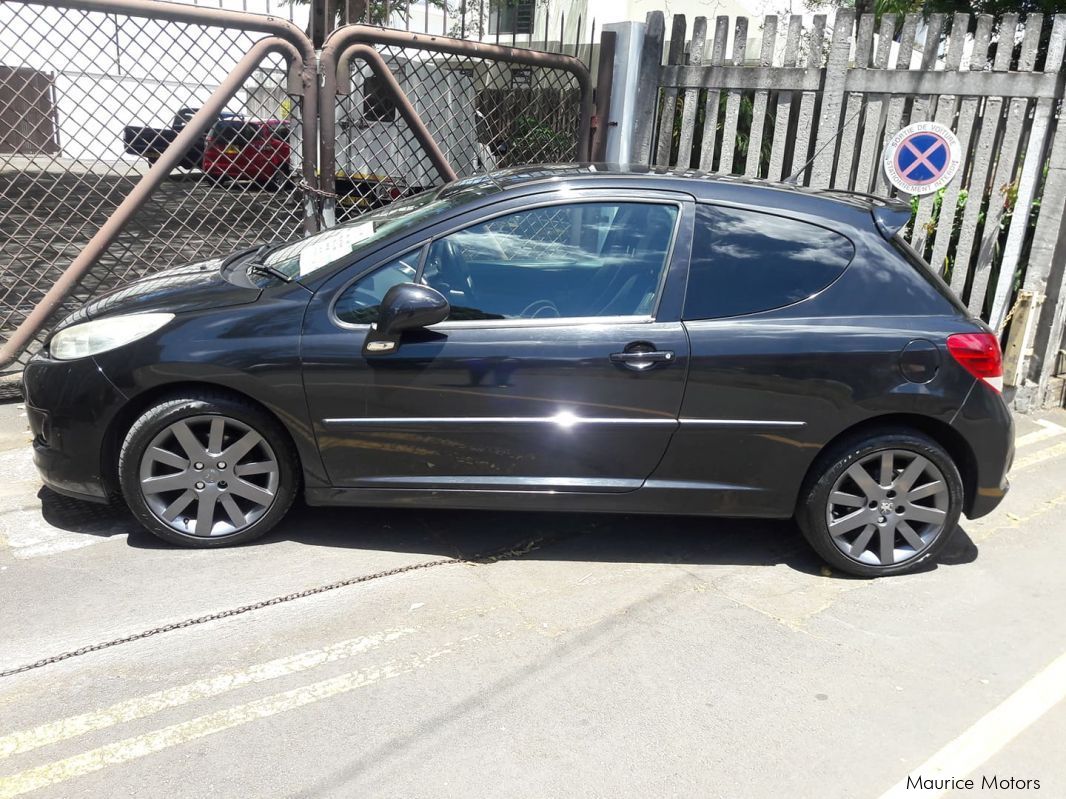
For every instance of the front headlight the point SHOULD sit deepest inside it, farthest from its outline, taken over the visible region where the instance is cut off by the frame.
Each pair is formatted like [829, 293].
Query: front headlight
[101, 335]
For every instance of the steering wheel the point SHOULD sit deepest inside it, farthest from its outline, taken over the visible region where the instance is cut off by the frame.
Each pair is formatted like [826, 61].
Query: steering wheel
[540, 309]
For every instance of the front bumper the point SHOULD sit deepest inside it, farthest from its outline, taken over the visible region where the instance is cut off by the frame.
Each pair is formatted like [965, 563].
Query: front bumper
[70, 406]
[985, 422]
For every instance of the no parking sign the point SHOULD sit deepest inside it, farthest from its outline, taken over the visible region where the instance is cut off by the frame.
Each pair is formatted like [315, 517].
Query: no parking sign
[922, 158]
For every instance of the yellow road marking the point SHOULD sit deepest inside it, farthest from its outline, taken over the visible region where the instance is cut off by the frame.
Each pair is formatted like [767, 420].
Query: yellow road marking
[141, 745]
[142, 706]
[1047, 454]
[1047, 430]
[991, 525]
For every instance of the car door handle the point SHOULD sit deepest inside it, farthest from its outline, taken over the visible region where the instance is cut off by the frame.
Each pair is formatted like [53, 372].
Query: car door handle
[641, 360]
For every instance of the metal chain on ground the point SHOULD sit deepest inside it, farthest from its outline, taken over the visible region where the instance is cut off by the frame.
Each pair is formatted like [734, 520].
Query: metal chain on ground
[506, 553]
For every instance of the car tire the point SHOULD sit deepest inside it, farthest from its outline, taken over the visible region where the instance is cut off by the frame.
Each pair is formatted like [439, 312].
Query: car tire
[911, 497]
[178, 484]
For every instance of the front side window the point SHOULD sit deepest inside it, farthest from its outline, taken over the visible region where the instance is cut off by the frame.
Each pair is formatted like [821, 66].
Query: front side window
[579, 260]
[360, 302]
[746, 261]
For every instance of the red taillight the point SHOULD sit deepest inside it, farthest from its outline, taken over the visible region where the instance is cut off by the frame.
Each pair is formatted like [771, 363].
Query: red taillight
[979, 354]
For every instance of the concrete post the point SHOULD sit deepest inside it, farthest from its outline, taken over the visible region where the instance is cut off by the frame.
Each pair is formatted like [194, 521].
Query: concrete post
[620, 120]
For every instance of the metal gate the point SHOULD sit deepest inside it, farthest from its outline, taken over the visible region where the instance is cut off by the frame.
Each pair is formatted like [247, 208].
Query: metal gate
[411, 111]
[143, 135]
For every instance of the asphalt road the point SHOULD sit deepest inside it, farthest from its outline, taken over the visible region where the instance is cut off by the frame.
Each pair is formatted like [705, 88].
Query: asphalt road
[591, 656]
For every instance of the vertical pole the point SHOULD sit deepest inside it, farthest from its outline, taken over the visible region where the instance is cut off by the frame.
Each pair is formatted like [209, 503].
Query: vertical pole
[618, 122]
[604, 80]
[318, 23]
[647, 89]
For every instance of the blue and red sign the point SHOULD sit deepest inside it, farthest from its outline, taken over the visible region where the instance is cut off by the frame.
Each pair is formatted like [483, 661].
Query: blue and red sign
[922, 158]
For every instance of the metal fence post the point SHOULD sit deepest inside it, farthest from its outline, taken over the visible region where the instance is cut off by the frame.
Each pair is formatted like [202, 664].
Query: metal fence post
[604, 89]
[620, 122]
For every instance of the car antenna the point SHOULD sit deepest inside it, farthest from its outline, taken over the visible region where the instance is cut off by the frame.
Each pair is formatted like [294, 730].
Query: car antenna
[484, 166]
[794, 177]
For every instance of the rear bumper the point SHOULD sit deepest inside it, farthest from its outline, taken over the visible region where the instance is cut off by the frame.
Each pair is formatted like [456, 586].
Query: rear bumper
[985, 422]
[70, 406]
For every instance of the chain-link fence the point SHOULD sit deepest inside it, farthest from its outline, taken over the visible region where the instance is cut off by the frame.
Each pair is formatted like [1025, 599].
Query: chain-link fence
[88, 102]
[139, 135]
[484, 108]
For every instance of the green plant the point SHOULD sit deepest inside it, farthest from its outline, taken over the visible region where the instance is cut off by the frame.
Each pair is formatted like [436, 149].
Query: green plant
[532, 141]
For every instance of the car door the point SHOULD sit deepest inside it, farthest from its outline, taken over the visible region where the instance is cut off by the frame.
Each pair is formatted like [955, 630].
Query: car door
[561, 366]
[768, 379]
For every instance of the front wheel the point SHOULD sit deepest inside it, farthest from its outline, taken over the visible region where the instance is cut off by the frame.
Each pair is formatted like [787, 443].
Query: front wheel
[207, 470]
[882, 504]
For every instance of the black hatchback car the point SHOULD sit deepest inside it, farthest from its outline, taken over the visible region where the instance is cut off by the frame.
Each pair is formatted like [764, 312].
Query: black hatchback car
[577, 338]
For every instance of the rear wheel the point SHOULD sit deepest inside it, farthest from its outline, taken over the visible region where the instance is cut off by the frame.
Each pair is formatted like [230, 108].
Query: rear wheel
[882, 504]
[207, 471]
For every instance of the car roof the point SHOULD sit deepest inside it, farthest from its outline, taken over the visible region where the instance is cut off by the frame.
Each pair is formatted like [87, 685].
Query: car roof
[829, 203]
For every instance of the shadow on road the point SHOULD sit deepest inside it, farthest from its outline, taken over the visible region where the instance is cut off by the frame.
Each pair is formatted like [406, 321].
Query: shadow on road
[469, 534]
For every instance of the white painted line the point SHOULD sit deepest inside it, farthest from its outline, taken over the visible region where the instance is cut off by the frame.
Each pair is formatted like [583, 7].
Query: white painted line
[1049, 430]
[1038, 457]
[140, 707]
[141, 745]
[988, 735]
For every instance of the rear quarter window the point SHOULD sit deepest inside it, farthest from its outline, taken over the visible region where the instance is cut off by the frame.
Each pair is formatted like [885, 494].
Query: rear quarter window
[930, 275]
[745, 261]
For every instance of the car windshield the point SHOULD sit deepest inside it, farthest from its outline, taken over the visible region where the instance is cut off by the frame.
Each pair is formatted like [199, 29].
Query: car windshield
[232, 134]
[308, 255]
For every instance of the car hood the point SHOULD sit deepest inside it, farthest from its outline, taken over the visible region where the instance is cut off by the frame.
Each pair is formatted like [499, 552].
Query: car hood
[198, 286]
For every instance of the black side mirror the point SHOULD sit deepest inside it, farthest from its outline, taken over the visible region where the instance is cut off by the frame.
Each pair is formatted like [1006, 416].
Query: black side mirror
[406, 306]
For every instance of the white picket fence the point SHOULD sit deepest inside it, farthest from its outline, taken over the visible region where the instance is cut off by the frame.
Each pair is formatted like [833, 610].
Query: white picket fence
[834, 93]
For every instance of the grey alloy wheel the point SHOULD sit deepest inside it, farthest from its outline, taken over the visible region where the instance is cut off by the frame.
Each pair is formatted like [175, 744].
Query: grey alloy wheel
[208, 476]
[888, 507]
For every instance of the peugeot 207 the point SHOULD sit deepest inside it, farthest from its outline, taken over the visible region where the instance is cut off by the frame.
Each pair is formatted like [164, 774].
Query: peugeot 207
[580, 338]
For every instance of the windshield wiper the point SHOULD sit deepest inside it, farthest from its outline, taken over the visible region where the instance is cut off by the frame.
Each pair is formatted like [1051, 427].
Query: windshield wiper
[256, 265]
[266, 269]
[262, 250]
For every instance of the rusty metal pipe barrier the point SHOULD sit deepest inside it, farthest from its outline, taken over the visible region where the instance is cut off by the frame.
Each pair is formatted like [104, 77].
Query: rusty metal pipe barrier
[357, 41]
[285, 39]
[200, 123]
[327, 125]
